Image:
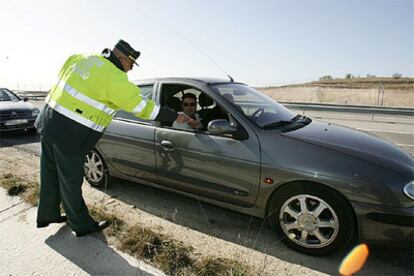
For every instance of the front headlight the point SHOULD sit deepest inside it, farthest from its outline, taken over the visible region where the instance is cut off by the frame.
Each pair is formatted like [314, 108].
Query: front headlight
[409, 190]
[35, 112]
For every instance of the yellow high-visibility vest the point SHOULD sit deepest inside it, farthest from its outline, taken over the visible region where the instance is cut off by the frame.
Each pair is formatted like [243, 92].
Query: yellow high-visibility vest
[91, 89]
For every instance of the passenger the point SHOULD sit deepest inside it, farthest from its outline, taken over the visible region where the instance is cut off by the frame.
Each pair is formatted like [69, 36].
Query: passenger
[189, 107]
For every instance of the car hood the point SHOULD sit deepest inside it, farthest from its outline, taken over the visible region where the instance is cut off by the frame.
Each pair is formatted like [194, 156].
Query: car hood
[14, 106]
[356, 143]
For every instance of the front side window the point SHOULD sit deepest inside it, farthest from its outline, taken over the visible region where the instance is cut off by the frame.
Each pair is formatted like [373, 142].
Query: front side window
[7, 95]
[183, 98]
[259, 108]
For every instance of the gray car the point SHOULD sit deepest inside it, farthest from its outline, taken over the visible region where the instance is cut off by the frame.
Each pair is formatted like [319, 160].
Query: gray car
[16, 113]
[319, 185]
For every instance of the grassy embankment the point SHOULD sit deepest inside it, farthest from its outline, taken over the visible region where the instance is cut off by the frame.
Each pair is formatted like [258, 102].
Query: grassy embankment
[362, 83]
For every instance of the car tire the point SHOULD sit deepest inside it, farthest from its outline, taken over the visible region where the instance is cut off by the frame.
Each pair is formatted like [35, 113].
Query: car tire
[96, 173]
[311, 218]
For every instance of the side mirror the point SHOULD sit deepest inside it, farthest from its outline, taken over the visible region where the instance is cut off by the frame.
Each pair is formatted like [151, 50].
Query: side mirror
[220, 126]
[25, 99]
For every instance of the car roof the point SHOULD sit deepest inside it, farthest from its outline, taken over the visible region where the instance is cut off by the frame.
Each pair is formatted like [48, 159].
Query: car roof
[186, 79]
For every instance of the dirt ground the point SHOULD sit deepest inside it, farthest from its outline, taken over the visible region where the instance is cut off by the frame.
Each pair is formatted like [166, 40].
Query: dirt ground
[210, 230]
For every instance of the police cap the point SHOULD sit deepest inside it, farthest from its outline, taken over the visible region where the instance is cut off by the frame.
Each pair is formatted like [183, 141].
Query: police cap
[127, 50]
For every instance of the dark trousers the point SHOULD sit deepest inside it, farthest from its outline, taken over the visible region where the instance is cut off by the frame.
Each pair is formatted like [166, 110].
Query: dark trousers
[61, 178]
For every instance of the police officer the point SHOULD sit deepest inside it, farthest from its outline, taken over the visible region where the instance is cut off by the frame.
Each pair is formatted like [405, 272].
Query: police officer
[91, 88]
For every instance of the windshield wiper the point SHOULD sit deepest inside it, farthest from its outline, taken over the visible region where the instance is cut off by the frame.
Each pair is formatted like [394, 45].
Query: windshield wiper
[277, 124]
[298, 119]
[302, 119]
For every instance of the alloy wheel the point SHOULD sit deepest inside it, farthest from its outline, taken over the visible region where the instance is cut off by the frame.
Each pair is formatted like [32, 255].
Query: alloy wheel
[309, 221]
[94, 167]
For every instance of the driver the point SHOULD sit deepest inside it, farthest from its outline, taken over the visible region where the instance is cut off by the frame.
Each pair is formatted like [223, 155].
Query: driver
[189, 107]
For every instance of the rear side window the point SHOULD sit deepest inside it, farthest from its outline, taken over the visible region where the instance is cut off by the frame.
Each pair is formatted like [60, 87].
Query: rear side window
[146, 91]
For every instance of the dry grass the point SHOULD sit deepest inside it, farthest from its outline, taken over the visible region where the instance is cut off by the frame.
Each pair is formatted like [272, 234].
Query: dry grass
[218, 266]
[16, 185]
[171, 256]
[117, 226]
[167, 254]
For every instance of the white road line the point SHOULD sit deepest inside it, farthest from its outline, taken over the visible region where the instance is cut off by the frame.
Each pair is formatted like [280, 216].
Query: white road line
[387, 131]
[405, 145]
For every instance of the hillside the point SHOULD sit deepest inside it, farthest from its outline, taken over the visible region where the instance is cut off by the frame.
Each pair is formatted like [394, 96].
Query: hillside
[387, 92]
[362, 83]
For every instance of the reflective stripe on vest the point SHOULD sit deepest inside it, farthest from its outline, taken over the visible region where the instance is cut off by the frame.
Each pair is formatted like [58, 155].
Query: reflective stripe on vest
[74, 116]
[75, 93]
[76, 106]
[143, 105]
[140, 106]
[155, 111]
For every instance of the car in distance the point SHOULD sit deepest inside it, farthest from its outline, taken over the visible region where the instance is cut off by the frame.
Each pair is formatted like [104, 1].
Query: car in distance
[15, 112]
[320, 185]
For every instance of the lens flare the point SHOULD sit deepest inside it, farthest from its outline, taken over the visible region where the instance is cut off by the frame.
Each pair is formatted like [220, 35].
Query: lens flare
[354, 261]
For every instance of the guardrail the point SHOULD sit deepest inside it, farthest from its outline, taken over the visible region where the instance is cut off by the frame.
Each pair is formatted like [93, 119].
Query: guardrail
[32, 95]
[350, 108]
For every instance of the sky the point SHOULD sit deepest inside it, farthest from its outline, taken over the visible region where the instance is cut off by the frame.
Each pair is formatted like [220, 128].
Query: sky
[261, 43]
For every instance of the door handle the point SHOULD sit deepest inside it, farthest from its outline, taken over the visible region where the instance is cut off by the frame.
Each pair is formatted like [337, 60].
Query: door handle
[167, 145]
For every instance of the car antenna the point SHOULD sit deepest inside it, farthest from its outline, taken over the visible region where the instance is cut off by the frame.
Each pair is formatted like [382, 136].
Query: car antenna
[204, 54]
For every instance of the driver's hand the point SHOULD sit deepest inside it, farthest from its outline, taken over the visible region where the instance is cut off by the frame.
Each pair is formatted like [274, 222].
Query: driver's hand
[194, 124]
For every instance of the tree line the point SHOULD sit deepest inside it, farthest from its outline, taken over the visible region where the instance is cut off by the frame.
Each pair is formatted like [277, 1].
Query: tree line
[351, 76]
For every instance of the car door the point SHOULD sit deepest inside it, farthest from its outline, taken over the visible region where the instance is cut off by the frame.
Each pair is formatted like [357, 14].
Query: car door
[128, 143]
[217, 167]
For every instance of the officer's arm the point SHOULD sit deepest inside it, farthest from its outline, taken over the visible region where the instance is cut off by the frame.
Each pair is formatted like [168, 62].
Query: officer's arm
[127, 96]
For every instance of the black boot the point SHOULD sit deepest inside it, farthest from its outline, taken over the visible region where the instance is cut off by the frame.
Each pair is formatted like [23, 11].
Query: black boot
[41, 224]
[101, 225]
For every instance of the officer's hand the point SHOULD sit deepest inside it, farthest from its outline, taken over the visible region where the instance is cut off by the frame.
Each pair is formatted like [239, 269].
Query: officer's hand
[182, 118]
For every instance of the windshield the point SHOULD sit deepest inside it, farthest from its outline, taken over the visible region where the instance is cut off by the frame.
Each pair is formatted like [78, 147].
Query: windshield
[259, 108]
[7, 95]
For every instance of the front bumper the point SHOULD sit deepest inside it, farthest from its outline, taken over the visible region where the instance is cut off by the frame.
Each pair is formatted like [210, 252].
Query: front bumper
[29, 124]
[383, 225]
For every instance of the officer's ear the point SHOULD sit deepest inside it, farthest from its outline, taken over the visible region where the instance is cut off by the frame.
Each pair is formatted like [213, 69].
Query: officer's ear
[122, 60]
